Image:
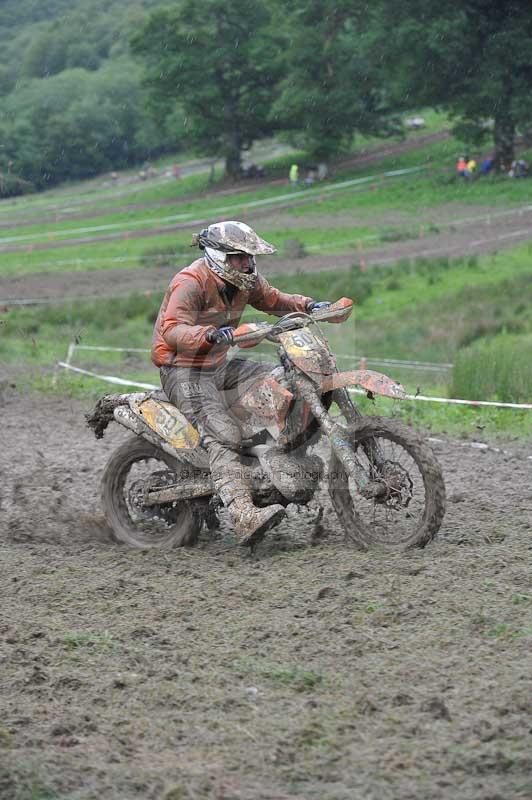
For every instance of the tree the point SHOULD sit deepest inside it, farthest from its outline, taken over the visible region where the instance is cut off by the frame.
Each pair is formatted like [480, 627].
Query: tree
[333, 84]
[78, 123]
[46, 55]
[219, 61]
[470, 57]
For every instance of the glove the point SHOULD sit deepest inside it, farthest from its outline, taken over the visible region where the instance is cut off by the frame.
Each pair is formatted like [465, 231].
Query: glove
[315, 304]
[220, 335]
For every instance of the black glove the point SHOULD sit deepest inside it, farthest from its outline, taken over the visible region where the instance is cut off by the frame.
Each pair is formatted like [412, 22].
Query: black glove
[220, 335]
[315, 304]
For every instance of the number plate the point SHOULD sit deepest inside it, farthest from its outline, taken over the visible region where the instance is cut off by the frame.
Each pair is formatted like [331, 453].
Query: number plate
[300, 343]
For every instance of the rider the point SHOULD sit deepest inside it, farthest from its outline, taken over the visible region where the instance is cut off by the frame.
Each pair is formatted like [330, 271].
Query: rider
[194, 329]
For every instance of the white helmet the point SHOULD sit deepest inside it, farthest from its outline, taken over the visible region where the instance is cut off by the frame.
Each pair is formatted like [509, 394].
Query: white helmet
[224, 238]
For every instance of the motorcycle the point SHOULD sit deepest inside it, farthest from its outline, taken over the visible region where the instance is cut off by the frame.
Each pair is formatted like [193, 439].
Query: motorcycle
[384, 481]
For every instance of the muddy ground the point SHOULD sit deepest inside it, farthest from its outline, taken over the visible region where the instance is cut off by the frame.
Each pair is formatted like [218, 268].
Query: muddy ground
[305, 671]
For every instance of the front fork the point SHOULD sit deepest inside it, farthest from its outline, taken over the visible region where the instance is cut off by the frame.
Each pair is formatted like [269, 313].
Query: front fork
[335, 432]
[352, 414]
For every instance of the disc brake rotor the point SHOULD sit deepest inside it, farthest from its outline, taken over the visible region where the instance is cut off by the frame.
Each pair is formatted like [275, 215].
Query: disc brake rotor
[138, 491]
[398, 483]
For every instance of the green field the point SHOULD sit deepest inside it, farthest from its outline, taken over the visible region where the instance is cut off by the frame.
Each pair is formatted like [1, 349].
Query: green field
[435, 185]
[463, 301]
[429, 310]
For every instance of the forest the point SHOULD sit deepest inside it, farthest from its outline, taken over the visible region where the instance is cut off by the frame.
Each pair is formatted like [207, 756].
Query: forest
[96, 86]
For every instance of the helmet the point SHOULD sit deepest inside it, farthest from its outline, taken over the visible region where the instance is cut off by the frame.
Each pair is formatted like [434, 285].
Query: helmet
[233, 237]
[223, 238]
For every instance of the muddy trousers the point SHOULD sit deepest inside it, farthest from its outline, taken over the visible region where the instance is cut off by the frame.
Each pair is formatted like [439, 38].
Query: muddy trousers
[205, 396]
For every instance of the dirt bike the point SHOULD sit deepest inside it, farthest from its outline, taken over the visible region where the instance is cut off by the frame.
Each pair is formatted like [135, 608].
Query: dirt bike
[384, 481]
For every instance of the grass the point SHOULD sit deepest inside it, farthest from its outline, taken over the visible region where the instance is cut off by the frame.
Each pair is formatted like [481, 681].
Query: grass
[413, 193]
[122, 253]
[299, 678]
[495, 369]
[427, 310]
[435, 186]
[101, 187]
[521, 599]
[467, 422]
[506, 632]
[77, 640]
[463, 301]
[389, 318]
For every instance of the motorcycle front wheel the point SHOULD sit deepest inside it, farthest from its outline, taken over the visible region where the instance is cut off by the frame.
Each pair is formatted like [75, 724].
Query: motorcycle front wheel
[404, 503]
[134, 463]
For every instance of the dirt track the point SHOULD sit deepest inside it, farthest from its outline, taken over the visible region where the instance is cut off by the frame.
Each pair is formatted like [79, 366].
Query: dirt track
[479, 232]
[303, 672]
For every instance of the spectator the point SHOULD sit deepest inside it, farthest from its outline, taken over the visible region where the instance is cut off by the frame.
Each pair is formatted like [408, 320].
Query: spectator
[311, 177]
[471, 168]
[323, 171]
[521, 168]
[487, 165]
[293, 176]
[461, 166]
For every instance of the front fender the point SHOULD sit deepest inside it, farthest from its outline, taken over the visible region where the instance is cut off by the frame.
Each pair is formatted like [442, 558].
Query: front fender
[374, 382]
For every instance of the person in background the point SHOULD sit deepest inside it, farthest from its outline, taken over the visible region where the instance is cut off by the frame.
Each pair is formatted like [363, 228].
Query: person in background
[323, 171]
[521, 168]
[471, 168]
[311, 177]
[293, 176]
[487, 165]
[461, 166]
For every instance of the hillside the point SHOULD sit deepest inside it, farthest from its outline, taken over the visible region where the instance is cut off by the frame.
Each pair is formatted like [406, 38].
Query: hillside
[72, 102]
[89, 25]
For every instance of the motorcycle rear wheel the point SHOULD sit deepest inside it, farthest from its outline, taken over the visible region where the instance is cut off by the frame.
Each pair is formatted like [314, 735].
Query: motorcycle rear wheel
[410, 511]
[175, 527]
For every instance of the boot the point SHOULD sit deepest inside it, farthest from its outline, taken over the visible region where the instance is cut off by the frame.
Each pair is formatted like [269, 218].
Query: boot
[251, 523]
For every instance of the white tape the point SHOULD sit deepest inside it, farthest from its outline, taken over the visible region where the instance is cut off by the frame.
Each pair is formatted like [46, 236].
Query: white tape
[342, 357]
[394, 362]
[455, 401]
[107, 378]
[113, 349]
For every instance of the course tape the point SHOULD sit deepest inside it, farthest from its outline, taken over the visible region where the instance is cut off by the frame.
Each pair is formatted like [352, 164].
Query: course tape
[107, 378]
[122, 382]
[455, 400]
[390, 361]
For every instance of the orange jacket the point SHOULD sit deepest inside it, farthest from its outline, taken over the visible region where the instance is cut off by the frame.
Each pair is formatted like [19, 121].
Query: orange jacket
[193, 305]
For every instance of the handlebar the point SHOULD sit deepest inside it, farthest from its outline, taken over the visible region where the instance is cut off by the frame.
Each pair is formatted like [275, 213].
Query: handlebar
[250, 334]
